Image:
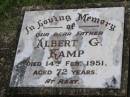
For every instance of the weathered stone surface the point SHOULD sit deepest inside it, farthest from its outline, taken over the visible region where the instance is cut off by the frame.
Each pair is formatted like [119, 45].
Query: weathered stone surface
[94, 42]
[7, 53]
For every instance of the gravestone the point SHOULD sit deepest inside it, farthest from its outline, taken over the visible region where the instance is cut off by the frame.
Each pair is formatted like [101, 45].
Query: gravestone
[71, 52]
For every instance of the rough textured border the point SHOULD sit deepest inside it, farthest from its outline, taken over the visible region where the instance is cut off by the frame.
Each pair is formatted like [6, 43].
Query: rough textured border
[86, 92]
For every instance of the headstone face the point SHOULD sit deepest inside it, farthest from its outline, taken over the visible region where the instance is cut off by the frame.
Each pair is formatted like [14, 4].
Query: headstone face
[71, 48]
